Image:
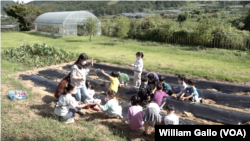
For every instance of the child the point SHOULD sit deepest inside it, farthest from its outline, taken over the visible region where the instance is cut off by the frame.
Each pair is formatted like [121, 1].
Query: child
[171, 118]
[123, 79]
[159, 95]
[135, 114]
[90, 99]
[191, 92]
[153, 80]
[67, 105]
[138, 65]
[166, 87]
[144, 90]
[114, 82]
[152, 114]
[112, 106]
[181, 87]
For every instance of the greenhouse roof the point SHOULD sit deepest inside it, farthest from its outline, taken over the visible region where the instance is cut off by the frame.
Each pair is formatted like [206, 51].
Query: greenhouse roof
[62, 17]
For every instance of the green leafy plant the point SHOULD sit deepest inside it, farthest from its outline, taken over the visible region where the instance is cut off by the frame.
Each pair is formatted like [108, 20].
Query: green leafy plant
[123, 26]
[38, 55]
[91, 25]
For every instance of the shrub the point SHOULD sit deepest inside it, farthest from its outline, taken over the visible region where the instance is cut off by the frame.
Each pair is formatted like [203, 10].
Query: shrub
[38, 55]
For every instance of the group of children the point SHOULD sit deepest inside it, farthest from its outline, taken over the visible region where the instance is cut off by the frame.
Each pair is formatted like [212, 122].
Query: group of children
[152, 90]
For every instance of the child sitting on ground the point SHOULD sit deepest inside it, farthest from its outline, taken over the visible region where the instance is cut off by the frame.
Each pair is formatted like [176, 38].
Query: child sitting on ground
[171, 118]
[160, 96]
[144, 90]
[135, 114]
[123, 79]
[166, 87]
[90, 98]
[67, 105]
[181, 87]
[191, 92]
[112, 106]
[152, 114]
[114, 82]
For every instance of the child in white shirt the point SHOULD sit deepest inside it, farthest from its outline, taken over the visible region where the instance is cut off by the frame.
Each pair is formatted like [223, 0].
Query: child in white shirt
[171, 118]
[67, 105]
[181, 87]
[138, 66]
[90, 98]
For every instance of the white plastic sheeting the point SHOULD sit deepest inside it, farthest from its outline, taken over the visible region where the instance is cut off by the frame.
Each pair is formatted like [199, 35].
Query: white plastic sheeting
[63, 23]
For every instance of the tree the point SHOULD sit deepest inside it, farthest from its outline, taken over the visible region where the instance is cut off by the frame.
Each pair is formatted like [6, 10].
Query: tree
[168, 29]
[122, 26]
[25, 14]
[91, 26]
[203, 32]
[181, 18]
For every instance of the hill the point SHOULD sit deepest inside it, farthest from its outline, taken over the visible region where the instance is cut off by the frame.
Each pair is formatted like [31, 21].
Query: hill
[3, 3]
[101, 7]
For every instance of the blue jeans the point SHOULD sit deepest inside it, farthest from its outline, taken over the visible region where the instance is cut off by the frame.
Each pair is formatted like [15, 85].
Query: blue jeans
[71, 113]
[81, 94]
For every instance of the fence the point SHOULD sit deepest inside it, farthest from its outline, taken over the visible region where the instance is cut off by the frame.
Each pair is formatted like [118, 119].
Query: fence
[239, 42]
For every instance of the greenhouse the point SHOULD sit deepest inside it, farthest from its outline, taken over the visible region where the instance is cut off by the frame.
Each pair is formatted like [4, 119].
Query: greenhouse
[69, 23]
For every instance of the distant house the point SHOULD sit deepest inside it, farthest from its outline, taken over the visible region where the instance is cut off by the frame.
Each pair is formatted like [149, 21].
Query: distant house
[134, 15]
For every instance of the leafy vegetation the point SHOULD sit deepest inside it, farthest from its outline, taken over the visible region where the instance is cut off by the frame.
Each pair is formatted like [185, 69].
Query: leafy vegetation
[208, 30]
[105, 7]
[91, 27]
[25, 14]
[122, 27]
[38, 55]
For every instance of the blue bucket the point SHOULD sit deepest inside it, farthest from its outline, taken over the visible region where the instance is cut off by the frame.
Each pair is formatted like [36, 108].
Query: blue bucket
[17, 95]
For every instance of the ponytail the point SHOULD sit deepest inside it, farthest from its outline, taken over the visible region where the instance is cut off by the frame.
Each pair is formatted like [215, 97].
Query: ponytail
[139, 54]
[68, 88]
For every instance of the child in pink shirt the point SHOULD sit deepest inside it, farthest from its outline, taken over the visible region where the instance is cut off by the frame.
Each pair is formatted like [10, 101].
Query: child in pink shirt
[159, 95]
[135, 114]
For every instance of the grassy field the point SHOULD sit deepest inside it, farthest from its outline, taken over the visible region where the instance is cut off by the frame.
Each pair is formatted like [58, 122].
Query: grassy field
[212, 64]
[28, 119]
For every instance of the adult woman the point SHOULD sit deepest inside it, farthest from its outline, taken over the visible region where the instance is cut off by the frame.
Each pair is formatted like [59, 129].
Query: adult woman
[78, 76]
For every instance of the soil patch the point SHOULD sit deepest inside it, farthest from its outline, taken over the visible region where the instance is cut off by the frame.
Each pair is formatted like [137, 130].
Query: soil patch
[243, 93]
[213, 103]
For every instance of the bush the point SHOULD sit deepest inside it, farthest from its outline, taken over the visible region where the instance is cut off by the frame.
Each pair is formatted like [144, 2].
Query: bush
[38, 55]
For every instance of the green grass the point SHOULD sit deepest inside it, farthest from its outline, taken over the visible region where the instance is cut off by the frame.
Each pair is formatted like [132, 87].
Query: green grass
[211, 64]
[17, 124]
[112, 2]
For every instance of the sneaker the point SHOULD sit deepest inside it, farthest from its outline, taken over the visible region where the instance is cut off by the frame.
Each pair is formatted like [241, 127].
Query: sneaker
[96, 108]
[70, 120]
[88, 107]
[80, 113]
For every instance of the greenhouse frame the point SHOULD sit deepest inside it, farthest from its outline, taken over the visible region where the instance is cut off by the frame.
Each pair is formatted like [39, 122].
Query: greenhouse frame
[68, 23]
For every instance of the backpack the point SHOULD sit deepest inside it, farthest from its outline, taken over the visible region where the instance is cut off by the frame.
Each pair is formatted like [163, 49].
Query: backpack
[143, 92]
[61, 86]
